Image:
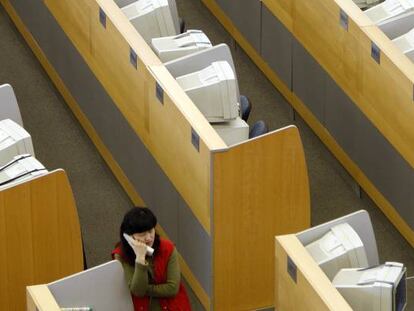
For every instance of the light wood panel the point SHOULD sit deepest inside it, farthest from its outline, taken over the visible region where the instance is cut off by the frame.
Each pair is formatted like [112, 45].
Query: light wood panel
[170, 141]
[312, 290]
[260, 189]
[385, 206]
[227, 23]
[39, 298]
[165, 129]
[77, 21]
[382, 92]
[120, 175]
[283, 9]
[317, 27]
[133, 91]
[388, 92]
[40, 236]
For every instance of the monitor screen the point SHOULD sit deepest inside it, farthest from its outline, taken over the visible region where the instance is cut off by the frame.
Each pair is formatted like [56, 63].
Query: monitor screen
[151, 18]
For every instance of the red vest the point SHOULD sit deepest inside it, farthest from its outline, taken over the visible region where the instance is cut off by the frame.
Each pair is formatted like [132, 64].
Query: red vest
[180, 301]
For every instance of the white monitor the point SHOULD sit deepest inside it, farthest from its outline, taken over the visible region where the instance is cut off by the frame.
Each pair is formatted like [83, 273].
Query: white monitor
[339, 248]
[365, 4]
[389, 9]
[14, 140]
[9, 107]
[380, 288]
[232, 132]
[19, 169]
[152, 18]
[170, 48]
[213, 90]
[405, 42]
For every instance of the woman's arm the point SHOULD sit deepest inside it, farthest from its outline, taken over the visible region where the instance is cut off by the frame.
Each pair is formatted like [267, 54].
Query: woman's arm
[136, 277]
[172, 285]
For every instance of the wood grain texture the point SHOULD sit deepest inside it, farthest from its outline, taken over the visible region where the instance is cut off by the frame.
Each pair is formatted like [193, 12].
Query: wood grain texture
[261, 190]
[312, 290]
[119, 174]
[40, 236]
[353, 169]
[384, 93]
[346, 55]
[171, 144]
[133, 91]
[250, 50]
[283, 9]
[39, 298]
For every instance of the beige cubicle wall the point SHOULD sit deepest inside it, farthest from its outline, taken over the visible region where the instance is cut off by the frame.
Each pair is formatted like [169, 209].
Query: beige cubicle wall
[40, 236]
[300, 283]
[213, 200]
[360, 108]
[312, 289]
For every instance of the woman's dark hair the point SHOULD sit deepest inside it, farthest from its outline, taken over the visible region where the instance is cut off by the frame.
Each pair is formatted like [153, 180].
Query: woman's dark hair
[137, 220]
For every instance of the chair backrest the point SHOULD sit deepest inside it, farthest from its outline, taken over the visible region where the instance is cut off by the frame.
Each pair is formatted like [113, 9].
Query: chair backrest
[9, 109]
[245, 107]
[259, 128]
[103, 288]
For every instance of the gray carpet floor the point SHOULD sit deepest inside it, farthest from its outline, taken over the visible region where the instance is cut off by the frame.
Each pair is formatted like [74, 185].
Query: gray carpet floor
[60, 142]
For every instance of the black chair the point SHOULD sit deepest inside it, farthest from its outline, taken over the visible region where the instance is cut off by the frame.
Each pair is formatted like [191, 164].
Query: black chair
[245, 107]
[259, 128]
[182, 25]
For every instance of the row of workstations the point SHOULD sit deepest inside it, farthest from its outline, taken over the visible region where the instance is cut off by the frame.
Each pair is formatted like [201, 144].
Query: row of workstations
[211, 198]
[344, 71]
[245, 211]
[40, 234]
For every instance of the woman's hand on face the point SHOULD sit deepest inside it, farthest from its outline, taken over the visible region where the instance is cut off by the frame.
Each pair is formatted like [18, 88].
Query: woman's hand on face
[139, 248]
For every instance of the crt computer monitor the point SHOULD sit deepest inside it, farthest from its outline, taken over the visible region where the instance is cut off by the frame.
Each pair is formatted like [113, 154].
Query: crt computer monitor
[380, 288]
[214, 91]
[172, 47]
[389, 9]
[406, 44]
[14, 140]
[19, 169]
[339, 248]
[151, 18]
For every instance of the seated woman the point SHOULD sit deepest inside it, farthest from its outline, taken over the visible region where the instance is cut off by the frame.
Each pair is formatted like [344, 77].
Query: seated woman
[154, 280]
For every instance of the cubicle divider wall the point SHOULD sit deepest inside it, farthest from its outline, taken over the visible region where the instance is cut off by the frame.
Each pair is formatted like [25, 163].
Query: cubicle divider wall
[221, 205]
[40, 237]
[348, 82]
[300, 283]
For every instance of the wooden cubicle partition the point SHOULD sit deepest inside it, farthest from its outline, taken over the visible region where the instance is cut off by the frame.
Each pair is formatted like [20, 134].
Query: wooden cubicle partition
[260, 187]
[209, 198]
[40, 236]
[319, 54]
[312, 290]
